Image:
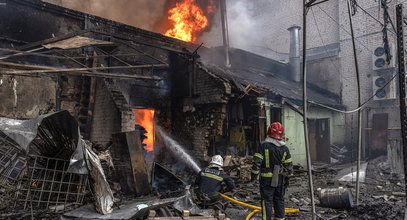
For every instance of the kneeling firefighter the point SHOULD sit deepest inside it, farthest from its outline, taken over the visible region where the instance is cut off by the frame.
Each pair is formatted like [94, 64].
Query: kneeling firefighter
[274, 164]
[209, 182]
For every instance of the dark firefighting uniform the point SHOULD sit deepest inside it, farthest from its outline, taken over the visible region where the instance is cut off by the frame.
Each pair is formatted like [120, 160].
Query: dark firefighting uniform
[209, 182]
[263, 163]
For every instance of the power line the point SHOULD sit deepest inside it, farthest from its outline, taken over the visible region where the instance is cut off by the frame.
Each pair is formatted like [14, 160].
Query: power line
[340, 26]
[362, 105]
[322, 40]
[369, 14]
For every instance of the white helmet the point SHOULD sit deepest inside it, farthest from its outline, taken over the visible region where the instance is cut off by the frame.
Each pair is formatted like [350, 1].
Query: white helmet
[217, 160]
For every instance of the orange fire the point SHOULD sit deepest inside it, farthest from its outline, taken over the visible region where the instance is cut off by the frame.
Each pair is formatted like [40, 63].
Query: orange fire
[188, 20]
[145, 118]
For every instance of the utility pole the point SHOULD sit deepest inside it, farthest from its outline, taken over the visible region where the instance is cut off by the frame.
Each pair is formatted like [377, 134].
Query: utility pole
[359, 104]
[402, 89]
[305, 115]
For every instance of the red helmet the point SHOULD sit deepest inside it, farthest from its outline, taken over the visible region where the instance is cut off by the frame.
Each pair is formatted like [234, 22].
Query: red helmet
[276, 130]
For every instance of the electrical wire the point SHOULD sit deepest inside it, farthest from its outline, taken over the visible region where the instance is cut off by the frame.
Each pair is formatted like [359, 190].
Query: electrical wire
[322, 40]
[340, 26]
[357, 5]
[362, 105]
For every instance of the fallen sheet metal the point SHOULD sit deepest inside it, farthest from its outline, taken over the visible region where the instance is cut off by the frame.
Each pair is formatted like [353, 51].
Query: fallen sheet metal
[100, 187]
[349, 174]
[51, 152]
[165, 181]
[187, 203]
[128, 211]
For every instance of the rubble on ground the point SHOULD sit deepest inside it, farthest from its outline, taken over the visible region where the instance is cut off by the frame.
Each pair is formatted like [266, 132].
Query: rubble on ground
[49, 174]
[382, 195]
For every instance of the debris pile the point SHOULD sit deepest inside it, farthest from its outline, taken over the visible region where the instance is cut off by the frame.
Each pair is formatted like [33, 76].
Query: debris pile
[46, 166]
[238, 168]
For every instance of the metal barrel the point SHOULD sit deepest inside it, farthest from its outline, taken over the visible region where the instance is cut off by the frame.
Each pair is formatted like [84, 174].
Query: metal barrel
[337, 198]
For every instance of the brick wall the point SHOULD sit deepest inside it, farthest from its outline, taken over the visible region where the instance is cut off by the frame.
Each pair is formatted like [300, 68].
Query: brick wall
[368, 36]
[199, 119]
[210, 88]
[107, 117]
[199, 127]
[126, 113]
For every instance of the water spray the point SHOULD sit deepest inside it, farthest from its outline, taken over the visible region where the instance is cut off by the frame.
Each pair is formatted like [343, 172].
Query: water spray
[178, 150]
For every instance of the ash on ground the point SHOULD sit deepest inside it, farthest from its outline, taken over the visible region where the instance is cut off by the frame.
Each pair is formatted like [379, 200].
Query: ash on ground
[382, 194]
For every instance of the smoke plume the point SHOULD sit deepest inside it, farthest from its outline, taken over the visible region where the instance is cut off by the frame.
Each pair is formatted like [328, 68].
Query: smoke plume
[139, 13]
[249, 23]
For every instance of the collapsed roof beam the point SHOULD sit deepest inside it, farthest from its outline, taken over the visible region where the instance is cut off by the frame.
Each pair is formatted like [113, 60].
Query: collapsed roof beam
[88, 69]
[76, 71]
[122, 37]
[55, 39]
[136, 49]
[115, 57]
[45, 54]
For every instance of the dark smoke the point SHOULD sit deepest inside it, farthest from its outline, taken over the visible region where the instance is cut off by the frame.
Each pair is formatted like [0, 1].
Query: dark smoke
[139, 13]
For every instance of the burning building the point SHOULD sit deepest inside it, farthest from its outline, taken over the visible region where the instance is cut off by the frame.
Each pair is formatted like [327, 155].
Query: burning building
[114, 78]
[110, 76]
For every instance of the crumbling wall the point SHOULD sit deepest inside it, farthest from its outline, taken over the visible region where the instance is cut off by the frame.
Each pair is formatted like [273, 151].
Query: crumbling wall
[210, 88]
[70, 95]
[107, 117]
[199, 119]
[126, 114]
[26, 97]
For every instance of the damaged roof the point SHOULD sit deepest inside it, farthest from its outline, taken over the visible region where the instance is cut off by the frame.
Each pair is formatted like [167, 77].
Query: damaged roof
[273, 78]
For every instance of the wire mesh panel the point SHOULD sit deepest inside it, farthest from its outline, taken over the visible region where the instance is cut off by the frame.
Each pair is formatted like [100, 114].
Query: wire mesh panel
[48, 187]
[11, 164]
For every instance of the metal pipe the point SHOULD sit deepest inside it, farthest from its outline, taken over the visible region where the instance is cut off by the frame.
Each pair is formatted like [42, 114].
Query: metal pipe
[305, 116]
[359, 104]
[295, 58]
[224, 20]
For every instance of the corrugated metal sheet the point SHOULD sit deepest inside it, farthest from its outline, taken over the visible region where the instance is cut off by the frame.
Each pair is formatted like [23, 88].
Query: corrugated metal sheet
[277, 84]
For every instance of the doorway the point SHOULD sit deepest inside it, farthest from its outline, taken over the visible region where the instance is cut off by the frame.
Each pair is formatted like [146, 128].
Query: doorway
[320, 140]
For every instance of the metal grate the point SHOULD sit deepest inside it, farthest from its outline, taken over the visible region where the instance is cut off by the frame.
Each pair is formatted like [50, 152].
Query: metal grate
[47, 186]
[11, 164]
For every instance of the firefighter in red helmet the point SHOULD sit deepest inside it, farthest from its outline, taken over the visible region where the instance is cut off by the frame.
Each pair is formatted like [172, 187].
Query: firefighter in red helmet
[274, 165]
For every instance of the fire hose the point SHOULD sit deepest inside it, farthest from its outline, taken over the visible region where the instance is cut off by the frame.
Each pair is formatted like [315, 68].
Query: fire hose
[255, 208]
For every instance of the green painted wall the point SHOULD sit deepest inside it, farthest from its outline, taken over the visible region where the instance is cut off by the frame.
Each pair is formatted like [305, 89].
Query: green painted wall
[294, 135]
[294, 130]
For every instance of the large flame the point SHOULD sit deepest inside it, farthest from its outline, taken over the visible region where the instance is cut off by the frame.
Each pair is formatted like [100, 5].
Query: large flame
[188, 20]
[145, 118]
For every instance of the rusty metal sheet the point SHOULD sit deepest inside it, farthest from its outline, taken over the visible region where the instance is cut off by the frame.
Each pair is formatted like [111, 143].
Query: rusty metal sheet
[76, 42]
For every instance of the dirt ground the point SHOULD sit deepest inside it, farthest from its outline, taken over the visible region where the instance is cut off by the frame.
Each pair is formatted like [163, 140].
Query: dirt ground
[381, 195]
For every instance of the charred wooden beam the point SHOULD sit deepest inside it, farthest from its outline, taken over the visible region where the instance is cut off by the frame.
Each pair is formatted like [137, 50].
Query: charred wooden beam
[128, 153]
[37, 70]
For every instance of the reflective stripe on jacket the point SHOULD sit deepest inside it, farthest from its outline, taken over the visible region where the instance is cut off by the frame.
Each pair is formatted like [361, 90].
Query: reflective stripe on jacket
[269, 155]
[209, 180]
